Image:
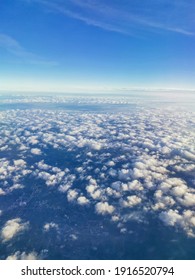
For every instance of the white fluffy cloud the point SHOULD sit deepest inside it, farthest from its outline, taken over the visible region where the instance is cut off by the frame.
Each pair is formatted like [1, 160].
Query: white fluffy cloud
[23, 256]
[184, 220]
[131, 201]
[188, 200]
[171, 217]
[36, 151]
[72, 195]
[2, 192]
[115, 218]
[12, 228]
[125, 174]
[104, 208]
[43, 166]
[19, 162]
[179, 190]
[135, 185]
[189, 155]
[91, 188]
[82, 200]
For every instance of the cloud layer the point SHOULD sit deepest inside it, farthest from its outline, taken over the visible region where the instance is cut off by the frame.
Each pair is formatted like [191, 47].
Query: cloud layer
[122, 166]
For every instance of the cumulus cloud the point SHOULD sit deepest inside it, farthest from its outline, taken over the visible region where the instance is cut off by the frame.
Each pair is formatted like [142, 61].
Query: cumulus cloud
[33, 140]
[184, 220]
[110, 163]
[135, 185]
[111, 192]
[188, 200]
[19, 162]
[104, 208]
[2, 192]
[23, 256]
[171, 217]
[112, 172]
[91, 188]
[125, 174]
[36, 151]
[131, 201]
[49, 226]
[172, 182]
[189, 155]
[72, 195]
[82, 200]
[43, 166]
[115, 218]
[116, 186]
[4, 148]
[97, 194]
[12, 228]
[179, 190]
[96, 146]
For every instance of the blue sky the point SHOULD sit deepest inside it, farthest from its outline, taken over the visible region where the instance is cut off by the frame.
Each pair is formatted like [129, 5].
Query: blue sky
[97, 45]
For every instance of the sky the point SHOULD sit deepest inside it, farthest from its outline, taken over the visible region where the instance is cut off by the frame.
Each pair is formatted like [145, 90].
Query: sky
[97, 45]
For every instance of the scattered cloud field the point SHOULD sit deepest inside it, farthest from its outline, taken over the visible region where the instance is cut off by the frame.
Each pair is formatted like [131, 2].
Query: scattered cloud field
[123, 167]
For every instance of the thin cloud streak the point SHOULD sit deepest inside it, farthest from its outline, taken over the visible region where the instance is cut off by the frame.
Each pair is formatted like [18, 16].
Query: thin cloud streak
[54, 6]
[114, 19]
[12, 46]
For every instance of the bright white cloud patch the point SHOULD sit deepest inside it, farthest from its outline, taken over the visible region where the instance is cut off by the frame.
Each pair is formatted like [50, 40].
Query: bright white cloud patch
[104, 208]
[23, 256]
[82, 200]
[171, 217]
[19, 162]
[131, 201]
[12, 228]
[188, 200]
[2, 192]
[72, 195]
[135, 185]
[35, 151]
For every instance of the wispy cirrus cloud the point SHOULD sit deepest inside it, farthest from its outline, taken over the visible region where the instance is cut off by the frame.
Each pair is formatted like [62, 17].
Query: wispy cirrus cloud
[128, 17]
[15, 48]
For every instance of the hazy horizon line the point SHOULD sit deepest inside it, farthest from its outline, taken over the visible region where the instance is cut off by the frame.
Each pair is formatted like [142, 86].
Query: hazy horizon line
[100, 91]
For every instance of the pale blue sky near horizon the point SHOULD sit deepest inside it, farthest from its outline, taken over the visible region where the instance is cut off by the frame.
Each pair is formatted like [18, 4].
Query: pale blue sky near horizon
[96, 45]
